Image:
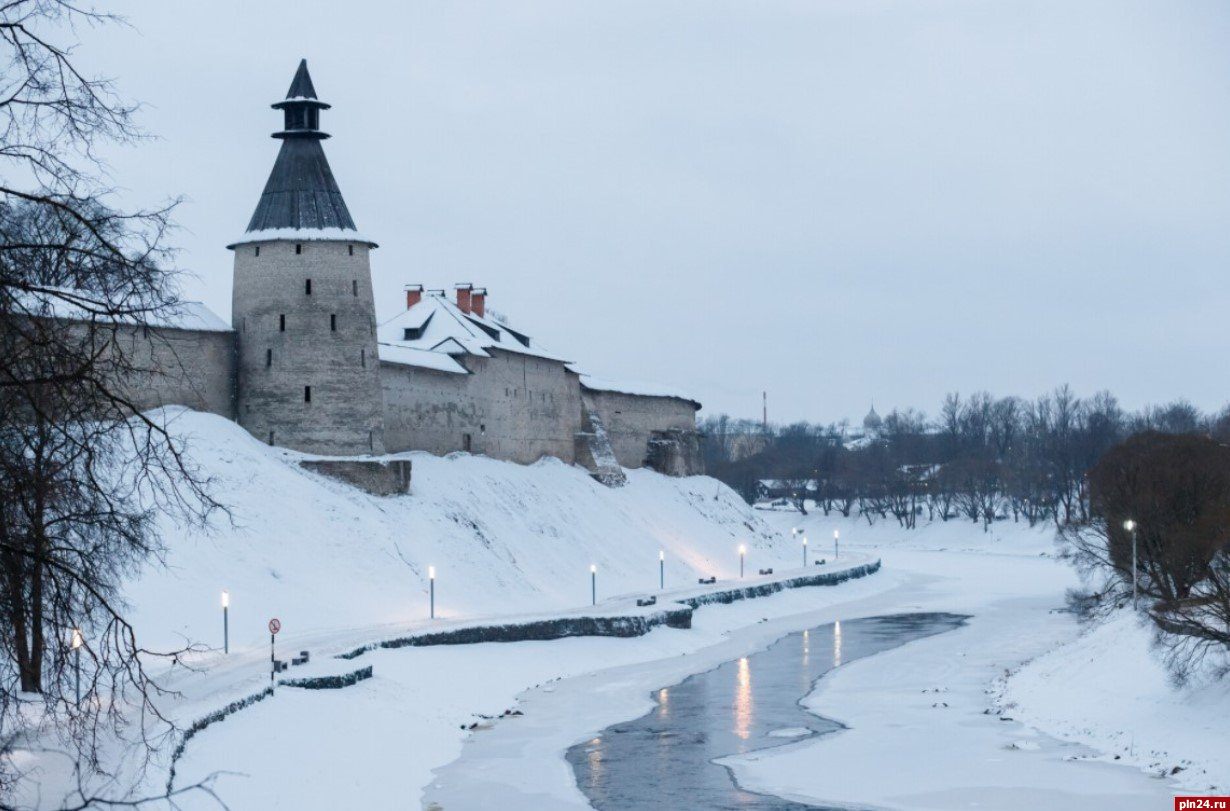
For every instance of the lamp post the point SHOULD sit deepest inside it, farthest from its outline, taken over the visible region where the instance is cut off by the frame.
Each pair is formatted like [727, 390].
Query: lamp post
[78, 641]
[836, 544]
[661, 570]
[226, 623]
[742, 554]
[1130, 526]
[804, 551]
[431, 577]
[593, 584]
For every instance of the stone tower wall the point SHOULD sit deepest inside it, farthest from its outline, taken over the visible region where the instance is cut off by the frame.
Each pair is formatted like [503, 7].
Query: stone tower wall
[327, 342]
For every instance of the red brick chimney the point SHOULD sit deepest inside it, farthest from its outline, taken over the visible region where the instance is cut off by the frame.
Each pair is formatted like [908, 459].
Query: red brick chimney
[414, 294]
[478, 301]
[463, 296]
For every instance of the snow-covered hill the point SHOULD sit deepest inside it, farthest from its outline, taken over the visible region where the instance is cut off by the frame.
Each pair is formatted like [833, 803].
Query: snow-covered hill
[503, 538]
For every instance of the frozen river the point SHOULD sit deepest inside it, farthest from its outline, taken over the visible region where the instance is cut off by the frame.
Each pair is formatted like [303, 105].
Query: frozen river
[671, 756]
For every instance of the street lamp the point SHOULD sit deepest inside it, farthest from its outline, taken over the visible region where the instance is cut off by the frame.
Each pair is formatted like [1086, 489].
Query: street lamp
[1130, 526]
[836, 544]
[78, 641]
[226, 624]
[804, 551]
[742, 553]
[593, 583]
[661, 569]
[431, 577]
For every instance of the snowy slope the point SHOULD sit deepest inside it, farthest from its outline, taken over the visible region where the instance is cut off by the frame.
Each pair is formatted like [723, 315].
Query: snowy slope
[503, 538]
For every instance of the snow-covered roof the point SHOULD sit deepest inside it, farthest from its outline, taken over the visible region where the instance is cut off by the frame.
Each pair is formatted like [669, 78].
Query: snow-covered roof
[302, 235]
[77, 305]
[631, 387]
[420, 358]
[437, 324]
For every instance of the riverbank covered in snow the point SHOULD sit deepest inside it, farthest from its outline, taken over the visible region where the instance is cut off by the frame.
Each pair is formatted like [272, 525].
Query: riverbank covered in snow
[1109, 690]
[509, 543]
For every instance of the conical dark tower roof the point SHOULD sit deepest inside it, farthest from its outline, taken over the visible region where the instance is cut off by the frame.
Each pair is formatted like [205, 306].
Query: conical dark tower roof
[301, 194]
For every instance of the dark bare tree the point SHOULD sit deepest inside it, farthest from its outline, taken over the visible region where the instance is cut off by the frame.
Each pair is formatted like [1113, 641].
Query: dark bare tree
[83, 472]
[1176, 488]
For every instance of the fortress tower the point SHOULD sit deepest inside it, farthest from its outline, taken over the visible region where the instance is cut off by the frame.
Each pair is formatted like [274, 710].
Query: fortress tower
[302, 307]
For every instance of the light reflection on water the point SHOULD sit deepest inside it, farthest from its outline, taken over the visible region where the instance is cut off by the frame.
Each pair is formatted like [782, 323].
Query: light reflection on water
[837, 644]
[664, 760]
[743, 700]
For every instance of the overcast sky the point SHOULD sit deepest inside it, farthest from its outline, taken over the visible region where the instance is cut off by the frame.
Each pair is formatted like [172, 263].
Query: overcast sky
[835, 201]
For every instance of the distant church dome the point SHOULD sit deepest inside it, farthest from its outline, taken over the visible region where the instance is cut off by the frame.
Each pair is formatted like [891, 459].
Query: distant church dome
[872, 422]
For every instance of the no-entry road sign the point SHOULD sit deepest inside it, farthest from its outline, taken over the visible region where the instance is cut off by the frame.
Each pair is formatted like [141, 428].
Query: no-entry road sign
[275, 625]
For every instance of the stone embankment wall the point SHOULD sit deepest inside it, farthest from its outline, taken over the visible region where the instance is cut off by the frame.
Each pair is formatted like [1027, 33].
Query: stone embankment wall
[380, 478]
[648, 431]
[510, 406]
[193, 368]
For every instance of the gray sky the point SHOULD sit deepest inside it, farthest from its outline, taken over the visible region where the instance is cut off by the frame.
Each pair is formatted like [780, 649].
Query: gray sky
[833, 200]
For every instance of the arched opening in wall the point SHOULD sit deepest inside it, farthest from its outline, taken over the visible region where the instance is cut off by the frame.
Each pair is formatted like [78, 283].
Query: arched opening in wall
[467, 441]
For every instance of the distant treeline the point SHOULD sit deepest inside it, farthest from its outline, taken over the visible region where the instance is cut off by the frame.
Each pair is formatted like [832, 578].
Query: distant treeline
[982, 459]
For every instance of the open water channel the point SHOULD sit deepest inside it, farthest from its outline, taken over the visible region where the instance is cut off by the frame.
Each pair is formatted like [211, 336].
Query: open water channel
[666, 759]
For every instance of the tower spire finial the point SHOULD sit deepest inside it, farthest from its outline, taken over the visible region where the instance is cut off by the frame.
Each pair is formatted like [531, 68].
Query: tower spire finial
[301, 108]
[301, 86]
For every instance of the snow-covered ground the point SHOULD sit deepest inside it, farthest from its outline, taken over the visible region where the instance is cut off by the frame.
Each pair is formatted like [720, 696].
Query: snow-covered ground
[1109, 690]
[341, 569]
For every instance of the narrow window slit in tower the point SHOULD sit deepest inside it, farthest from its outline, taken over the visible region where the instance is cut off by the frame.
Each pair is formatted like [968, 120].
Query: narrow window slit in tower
[351, 249]
[298, 248]
[258, 251]
[307, 394]
[268, 358]
[354, 287]
[271, 437]
[282, 322]
[307, 286]
[333, 322]
[363, 358]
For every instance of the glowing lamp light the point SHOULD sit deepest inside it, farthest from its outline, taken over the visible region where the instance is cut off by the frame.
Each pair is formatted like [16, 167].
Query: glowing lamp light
[661, 555]
[226, 599]
[1129, 525]
[593, 568]
[78, 639]
[431, 572]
